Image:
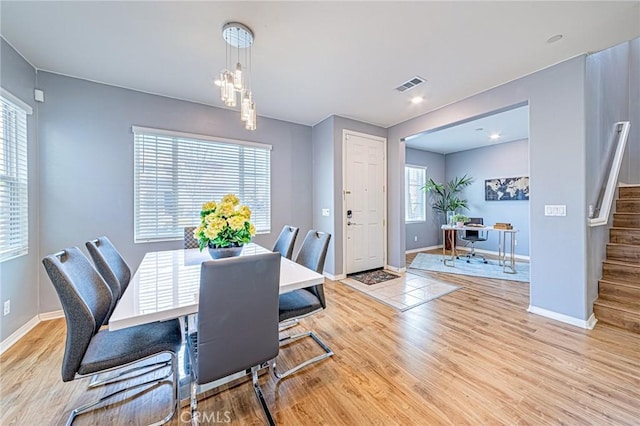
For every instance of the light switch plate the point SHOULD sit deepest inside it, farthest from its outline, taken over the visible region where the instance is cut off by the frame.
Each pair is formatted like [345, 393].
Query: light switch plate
[325, 212]
[555, 210]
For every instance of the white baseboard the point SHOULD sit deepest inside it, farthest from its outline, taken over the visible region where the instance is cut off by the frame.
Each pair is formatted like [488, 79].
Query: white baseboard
[335, 277]
[394, 269]
[422, 249]
[18, 334]
[22, 331]
[47, 316]
[588, 324]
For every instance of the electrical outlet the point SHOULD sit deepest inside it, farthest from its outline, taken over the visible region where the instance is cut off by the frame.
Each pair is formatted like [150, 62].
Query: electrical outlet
[7, 307]
[515, 242]
[415, 238]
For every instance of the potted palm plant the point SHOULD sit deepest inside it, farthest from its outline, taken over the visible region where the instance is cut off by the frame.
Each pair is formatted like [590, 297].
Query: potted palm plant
[446, 197]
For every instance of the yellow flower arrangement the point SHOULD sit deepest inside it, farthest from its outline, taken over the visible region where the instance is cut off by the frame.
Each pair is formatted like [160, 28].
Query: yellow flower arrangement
[224, 224]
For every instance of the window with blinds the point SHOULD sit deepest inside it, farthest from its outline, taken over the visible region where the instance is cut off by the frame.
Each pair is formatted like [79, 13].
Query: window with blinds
[175, 173]
[14, 218]
[415, 201]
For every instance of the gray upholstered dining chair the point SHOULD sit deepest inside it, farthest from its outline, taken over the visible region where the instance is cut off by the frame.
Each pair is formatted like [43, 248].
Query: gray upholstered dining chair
[112, 266]
[286, 240]
[190, 241]
[237, 321]
[89, 350]
[301, 303]
[117, 274]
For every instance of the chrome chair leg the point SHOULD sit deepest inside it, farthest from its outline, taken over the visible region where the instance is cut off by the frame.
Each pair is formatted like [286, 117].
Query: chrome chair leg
[284, 325]
[290, 339]
[154, 382]
[96, 381]
[195, 417]
[258, 392]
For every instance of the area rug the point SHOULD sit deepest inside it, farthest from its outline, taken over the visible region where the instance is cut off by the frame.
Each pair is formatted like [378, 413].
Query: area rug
[373, 277]
[433, 262]
[404, 292]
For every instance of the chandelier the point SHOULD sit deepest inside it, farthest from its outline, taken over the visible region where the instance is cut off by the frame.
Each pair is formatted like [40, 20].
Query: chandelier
[235, 79]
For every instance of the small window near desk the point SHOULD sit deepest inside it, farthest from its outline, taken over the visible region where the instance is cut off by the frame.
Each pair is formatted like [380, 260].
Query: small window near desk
[415, 209]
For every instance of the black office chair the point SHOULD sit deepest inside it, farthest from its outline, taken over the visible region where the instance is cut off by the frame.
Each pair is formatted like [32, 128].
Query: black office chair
[286, 240]
[237, 321]
[190, 240]
[301, 303]
[474, 237]
[86, 299]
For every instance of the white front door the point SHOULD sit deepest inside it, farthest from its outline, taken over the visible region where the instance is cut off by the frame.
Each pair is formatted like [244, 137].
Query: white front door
[364, 201]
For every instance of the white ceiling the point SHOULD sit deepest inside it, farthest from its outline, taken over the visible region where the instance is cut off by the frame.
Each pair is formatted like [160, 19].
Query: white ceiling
[315, 59]
[511, 125]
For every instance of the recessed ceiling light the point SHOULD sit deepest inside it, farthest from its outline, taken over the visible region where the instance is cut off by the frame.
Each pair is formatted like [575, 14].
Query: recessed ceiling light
[554, 38]
[417, 99]
[494, 136]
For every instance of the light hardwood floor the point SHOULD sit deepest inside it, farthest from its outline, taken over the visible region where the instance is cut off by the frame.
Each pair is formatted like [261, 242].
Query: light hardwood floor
[474, 356]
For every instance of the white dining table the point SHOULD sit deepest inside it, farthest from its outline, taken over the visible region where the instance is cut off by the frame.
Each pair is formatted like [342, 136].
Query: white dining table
[167, 283]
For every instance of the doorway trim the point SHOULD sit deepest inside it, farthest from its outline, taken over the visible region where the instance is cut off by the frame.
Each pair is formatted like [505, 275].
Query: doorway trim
[345, 134]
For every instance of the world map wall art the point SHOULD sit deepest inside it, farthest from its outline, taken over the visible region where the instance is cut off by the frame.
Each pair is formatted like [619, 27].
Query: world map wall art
[507, 189]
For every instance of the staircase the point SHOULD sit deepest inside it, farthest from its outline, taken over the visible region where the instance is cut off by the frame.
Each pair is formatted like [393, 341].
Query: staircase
[618, 300]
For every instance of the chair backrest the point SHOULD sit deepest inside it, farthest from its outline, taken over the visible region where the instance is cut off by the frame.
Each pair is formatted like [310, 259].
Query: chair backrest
[111, 265]
[237, 314]
[85, 298]
[189, 240]
[286, 240]
[473, 235]
[312, 254]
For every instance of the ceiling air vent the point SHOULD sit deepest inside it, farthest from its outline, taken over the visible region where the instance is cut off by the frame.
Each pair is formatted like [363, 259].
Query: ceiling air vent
[410, 84]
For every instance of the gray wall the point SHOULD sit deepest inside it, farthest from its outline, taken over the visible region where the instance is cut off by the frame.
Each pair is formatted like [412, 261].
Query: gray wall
[324, 185]
[613, 94]
[633, 170]
[18, 277]
[557, 157]
[86, 164]
[630, 172]
[495, 161]
[428, 235]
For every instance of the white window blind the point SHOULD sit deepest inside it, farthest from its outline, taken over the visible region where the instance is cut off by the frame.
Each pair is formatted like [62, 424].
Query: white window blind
[175, 173]
[14, 219]
[415, 201]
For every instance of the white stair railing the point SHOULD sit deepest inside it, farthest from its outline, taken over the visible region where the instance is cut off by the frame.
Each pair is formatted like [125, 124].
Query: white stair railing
[604, 203]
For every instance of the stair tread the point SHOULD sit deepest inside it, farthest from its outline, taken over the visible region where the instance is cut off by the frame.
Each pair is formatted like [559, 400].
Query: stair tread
[623, 228]
[620, 283]
[620, 262]
[631, 307]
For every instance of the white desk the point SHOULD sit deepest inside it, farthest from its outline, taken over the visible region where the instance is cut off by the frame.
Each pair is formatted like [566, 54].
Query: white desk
[167, 283]
[509, 268]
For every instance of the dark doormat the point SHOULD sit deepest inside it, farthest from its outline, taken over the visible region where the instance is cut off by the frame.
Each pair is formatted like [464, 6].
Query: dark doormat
[374, 276]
